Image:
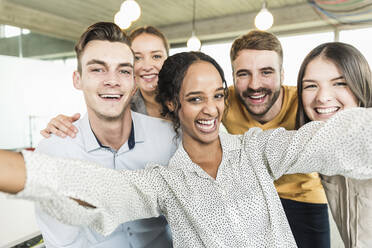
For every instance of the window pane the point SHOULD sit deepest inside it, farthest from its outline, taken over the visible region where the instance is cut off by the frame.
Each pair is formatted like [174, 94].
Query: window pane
[295, 48]
[361, 39]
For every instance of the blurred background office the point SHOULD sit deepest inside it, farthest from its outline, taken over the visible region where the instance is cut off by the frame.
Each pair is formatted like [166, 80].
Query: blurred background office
[37, 56]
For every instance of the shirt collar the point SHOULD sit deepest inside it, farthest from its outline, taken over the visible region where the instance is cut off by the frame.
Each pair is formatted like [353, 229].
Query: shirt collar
[138, 124]
[182, 161]
[131, 141]
[92, 143]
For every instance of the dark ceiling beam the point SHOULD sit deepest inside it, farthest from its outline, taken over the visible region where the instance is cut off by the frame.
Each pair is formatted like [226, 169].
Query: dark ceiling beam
[38, 21]
[37, 46]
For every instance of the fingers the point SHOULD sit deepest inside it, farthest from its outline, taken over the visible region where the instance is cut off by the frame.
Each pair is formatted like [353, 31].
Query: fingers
[57, 127]
[45, 133]
[61, 126]
[75, 117]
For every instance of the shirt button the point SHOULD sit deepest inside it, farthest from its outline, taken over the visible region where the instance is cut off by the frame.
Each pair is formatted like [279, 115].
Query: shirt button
[128, 228]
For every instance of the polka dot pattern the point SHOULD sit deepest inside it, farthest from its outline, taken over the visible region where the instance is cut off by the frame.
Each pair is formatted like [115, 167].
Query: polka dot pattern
[240, 208]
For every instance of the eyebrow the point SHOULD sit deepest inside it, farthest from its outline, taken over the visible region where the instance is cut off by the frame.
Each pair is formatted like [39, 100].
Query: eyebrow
[261, 69]
[100, 62]
[96, 61]
[267, 68]
[200, 92]
[242, 70]
[155, 51]
[338, 78]
[312, 80]
[125, 65]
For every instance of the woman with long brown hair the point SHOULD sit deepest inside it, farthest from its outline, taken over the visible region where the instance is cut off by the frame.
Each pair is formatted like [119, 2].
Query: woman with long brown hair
[333, 77]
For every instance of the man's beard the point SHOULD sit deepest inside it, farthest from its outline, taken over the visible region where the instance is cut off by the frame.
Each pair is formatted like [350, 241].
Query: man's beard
[273, 97]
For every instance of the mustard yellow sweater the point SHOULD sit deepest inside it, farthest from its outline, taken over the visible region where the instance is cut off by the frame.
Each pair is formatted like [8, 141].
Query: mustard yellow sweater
[298, 187]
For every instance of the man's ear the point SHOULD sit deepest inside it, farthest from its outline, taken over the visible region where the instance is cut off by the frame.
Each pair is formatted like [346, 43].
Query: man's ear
[76, 78]
[233, 76]
[281, 76]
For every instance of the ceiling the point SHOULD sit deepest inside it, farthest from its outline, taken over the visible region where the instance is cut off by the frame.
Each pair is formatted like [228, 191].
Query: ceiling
[215, 19]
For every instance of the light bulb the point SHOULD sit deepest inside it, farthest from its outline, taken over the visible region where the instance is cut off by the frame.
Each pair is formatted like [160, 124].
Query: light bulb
[264, 19]
[122, 20]
[193, 43]
[131, 9]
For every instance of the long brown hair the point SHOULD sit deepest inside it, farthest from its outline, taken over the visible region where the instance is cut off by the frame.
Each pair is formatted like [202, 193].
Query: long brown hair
[150, 30]
[353, 66]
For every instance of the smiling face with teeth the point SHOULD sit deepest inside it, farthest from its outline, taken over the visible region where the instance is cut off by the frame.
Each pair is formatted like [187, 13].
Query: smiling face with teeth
[106, 79]
[150, 54]
[257, 80]
[202, 103]
[324, 90]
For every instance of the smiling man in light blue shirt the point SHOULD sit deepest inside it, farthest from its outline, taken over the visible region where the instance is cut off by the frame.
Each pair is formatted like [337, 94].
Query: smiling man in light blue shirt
[111, 135]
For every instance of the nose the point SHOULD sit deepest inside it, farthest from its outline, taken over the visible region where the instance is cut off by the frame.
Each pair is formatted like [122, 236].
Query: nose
[147, 64]
[254, 82]
[111, 80]
[324, 95]
[210, 108]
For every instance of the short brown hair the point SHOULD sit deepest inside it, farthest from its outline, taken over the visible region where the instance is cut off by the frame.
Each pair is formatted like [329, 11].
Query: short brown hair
[150, 30]
[105, 31]
[257, 40]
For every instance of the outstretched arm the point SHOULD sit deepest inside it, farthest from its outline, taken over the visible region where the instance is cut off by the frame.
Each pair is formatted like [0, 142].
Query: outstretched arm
[340, 146]
[12, 172]
[109, 197]
[61, 126]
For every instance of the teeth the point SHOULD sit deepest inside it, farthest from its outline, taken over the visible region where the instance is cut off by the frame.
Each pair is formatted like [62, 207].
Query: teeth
[205, 124]
[257, 97]
[326, 110]
[110, 96]
[148, 76]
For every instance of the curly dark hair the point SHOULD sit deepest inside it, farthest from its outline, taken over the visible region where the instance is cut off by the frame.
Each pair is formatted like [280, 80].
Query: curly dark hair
[170, 81]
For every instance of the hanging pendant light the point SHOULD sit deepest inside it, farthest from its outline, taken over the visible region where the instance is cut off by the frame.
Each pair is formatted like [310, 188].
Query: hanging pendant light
[129, 12]
[193, 43]
[122, 21]
[264, 19]
[131, 9]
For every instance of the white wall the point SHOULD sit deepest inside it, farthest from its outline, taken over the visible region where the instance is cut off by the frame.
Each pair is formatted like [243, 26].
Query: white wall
[31, 92]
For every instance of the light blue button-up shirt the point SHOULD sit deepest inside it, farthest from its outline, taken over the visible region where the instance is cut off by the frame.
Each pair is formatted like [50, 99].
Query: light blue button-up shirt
[153, 143]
